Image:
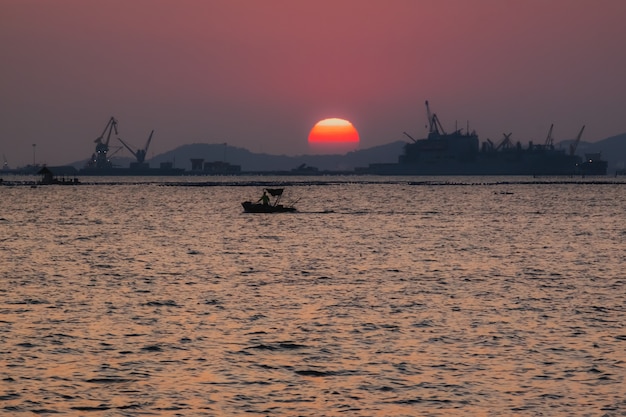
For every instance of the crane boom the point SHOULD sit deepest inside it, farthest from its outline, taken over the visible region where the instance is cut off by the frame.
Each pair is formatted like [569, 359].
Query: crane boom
[148, 142]
[549, 139]
[127, 146]
[505, 143]
[435, 128]
[430, 117]
[110, 127]
[140, 154]
[410, 137]
[573, 146]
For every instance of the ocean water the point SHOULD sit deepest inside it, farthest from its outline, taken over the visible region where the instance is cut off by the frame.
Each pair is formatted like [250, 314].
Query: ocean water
[379, 297]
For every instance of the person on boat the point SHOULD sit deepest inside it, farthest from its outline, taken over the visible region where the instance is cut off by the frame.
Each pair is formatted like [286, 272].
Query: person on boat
[265, 199]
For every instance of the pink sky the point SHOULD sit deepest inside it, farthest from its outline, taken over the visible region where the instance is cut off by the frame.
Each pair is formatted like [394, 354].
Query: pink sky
[260, 74]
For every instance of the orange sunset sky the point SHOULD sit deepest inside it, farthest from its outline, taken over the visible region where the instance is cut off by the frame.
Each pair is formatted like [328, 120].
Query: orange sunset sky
[260, 74]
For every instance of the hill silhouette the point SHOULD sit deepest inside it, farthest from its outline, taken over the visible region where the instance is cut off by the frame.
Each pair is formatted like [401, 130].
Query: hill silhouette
[612, 149]
[255, 162]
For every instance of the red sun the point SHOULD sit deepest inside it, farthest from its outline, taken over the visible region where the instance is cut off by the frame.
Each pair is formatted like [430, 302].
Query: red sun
[334, 135]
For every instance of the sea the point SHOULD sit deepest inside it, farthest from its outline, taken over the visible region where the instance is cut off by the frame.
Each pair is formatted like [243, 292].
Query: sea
[380, 296]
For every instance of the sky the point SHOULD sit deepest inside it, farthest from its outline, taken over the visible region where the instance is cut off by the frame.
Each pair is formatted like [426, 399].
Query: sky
[260, 74]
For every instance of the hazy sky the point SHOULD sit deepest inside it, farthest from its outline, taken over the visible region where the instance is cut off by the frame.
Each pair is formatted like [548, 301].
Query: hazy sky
[259, 74]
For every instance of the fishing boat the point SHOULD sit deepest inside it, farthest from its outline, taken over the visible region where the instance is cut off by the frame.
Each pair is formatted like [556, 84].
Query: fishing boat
[268, 205]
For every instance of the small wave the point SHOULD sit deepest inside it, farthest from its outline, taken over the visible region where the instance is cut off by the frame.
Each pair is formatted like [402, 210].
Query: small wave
[424, 323]
[28, 301]
[314, 372]
[91, 408]
[152, 348]
[163, 303]
[278, 346]
[109, 380]
[10, 396]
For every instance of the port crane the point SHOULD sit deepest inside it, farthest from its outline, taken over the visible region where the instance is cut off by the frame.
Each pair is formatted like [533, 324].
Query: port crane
[140, 154]
[100, 159]
[435, 129]
[573, 146]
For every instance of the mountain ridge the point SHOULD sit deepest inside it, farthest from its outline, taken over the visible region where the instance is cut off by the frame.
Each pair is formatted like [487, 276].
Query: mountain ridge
[612, 149]
[250, 161]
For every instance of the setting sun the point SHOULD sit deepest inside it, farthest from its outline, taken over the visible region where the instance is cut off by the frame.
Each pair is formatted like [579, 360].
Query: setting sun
[334, 135]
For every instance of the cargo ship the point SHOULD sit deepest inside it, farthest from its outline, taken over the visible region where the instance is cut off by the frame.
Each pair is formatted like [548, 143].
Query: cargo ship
[461, 153]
